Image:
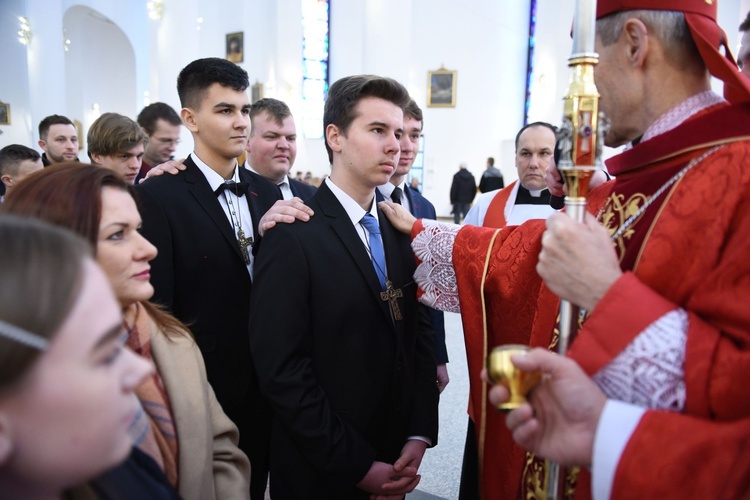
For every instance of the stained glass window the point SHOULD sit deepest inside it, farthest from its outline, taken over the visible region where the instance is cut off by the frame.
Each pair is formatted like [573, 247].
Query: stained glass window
[315, 31]
[530, 60]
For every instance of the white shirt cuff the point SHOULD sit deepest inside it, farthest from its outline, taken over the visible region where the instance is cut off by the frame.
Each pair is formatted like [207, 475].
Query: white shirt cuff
[421, 438]
[616, 424]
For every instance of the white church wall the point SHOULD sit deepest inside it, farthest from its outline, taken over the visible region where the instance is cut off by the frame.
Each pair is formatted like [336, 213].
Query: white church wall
[484, 40]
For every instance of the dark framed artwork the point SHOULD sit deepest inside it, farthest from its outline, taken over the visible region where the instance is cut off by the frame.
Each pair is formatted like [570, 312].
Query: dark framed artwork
[236, 47]
[4, 113]
[256, 92]
[441, 88]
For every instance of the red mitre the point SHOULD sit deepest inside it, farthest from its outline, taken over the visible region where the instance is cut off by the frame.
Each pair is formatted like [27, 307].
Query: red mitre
[708, 36]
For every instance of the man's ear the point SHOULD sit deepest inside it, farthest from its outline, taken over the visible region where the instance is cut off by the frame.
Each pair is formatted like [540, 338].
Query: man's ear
[636, 37]
[188, 118]
[6, 439]
[43, 145]
[333, 137]
[96, 158]
[7, 180]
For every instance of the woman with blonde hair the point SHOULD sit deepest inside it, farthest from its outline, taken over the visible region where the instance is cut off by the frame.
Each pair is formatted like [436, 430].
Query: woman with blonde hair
[189, 435]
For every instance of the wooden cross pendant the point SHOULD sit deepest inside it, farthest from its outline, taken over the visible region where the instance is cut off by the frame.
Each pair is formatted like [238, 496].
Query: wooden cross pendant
[391, 294]
[244, 243]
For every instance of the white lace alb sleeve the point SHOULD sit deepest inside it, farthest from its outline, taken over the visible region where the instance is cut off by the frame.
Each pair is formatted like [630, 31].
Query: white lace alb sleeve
[435, 275]
[649, 372]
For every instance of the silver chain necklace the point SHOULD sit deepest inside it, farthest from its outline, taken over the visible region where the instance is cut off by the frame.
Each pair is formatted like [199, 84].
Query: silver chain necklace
[630, 220]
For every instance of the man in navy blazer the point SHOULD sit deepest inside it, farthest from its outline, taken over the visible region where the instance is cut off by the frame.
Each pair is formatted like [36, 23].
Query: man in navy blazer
[336, 338]
[421, 208]
[272, 147]
[203, 228]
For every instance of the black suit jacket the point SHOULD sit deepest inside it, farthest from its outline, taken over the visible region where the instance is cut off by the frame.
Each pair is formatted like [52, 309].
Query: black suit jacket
[301, 190]
[422, 208]
[199, 274]
[347, 383]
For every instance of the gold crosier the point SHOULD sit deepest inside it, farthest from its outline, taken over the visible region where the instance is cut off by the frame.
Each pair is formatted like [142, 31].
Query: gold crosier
[580, 140]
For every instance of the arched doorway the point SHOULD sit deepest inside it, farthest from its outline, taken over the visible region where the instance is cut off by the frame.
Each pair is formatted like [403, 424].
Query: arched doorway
[100, 72]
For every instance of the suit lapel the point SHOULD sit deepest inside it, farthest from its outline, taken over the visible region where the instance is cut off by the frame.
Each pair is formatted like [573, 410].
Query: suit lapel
[413, 201]
[293, 188]
[201, 190]
[258, 189]
[342, 226]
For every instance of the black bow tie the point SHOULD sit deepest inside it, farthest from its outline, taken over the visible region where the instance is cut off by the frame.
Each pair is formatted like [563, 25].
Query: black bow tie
[238, 188]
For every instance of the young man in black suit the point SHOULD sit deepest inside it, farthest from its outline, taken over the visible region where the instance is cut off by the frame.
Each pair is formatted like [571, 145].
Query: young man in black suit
[272, 147]
[421, 208]
[203, 227]
[336, 338]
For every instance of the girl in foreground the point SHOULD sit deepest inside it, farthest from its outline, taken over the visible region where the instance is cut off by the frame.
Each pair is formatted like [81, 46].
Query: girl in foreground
[66, 382]
[189, 435]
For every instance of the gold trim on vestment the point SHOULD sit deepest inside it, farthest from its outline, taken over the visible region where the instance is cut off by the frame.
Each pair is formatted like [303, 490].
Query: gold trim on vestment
[483, 413]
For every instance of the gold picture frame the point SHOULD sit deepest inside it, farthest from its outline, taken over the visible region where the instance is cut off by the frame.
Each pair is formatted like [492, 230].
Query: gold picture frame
[236, 47]
[4, 113]
[79, 130]
[441, 88]
[256, 92]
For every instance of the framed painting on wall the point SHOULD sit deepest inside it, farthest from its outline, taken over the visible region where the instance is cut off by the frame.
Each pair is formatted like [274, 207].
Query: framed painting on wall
[4, 113]
[79, 130]
[256, 92]
[441, 88]
[236, 47]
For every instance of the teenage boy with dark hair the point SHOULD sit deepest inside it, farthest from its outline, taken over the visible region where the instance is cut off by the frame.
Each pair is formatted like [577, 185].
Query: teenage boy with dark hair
[349, 374]
[203, 221]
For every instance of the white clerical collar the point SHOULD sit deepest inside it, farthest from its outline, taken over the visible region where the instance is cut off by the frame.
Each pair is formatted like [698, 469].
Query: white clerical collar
[214, 179]
[352, 208]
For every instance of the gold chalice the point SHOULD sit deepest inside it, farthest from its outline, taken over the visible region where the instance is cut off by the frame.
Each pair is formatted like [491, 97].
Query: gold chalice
[501, 370]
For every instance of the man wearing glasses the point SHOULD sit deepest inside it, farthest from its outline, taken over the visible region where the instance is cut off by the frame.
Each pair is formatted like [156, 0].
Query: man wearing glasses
[162, 124]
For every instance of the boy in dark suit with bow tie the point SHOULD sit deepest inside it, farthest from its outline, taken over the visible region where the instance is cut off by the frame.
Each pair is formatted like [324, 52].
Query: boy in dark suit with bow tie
[204, 235]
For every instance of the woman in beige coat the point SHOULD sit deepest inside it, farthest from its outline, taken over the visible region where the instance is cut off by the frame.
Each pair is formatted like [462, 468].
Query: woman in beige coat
[181, 425]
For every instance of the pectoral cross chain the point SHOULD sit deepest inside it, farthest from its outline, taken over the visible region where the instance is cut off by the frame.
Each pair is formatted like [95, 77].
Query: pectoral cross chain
[391, 294]
[244, 243]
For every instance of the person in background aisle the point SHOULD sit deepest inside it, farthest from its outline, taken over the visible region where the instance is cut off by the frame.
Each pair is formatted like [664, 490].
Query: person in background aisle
[492, 178]
[463, 191]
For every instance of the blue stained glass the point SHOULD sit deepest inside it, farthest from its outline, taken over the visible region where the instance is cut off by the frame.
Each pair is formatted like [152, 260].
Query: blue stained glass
[317, 70]
[530, 60]
[316, 50]
[313, 89]
[315, 29]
